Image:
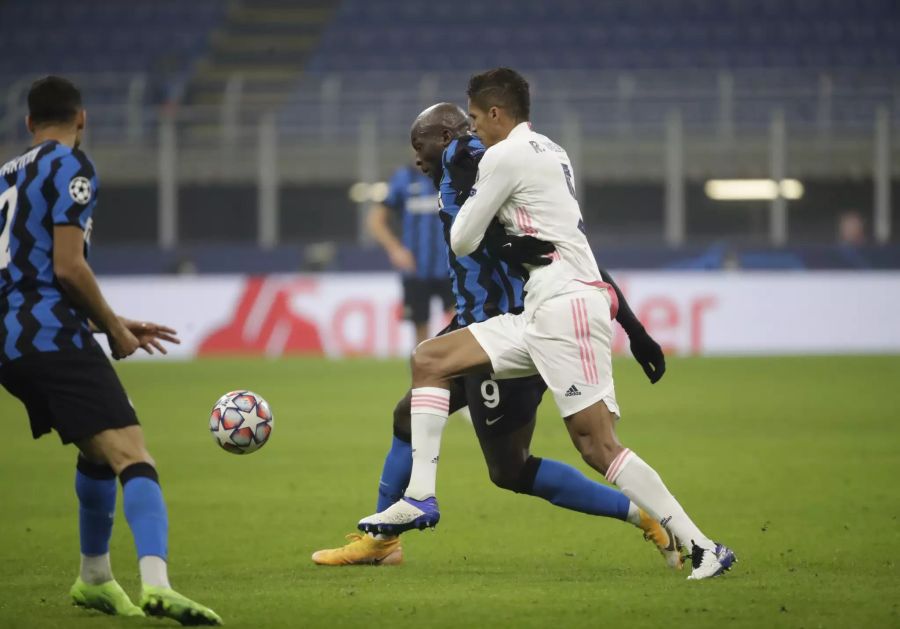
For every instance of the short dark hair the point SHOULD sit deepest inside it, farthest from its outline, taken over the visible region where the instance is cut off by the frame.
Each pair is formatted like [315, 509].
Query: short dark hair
[53, 100]
[501, 87]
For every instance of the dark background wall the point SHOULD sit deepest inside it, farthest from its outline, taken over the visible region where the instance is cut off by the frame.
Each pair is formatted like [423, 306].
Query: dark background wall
[630, 213]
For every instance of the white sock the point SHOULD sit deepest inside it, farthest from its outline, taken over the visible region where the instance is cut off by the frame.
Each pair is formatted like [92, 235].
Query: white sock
[428, 416]
[95, 569]
[634, 514]
[154, 571]
[642, 484]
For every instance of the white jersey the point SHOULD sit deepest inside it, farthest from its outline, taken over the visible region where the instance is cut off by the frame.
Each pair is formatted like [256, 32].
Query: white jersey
[526, 180]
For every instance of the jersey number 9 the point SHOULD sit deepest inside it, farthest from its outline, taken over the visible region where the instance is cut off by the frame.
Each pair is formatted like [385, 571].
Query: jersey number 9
[491, 393]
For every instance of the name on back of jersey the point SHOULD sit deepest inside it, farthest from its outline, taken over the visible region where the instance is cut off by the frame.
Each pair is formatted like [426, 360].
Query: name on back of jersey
[20, 162]
[540, 147]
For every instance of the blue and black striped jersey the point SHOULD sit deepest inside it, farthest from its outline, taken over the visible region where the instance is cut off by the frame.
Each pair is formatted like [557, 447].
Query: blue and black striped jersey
[50, 184]
[484, 286]
[411, 195]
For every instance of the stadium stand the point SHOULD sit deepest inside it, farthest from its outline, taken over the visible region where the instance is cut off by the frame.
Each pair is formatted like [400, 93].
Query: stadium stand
[161, 38]
[670, 52]
[327, 66]
[609, 34]
[601, 53]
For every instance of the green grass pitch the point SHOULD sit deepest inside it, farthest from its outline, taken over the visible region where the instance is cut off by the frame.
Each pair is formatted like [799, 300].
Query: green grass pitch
[792, 461]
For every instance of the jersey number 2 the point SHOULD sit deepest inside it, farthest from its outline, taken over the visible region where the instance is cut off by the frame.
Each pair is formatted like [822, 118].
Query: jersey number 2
[8, 202]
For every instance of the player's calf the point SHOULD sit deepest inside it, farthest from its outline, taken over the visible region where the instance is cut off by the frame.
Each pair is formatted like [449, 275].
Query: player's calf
[593, 434]
[95, 588]
[95, 486]
[402, 417]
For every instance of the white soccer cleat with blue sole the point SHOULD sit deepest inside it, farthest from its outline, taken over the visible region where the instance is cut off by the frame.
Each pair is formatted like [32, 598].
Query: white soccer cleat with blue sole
[711, 562]
[404, 515]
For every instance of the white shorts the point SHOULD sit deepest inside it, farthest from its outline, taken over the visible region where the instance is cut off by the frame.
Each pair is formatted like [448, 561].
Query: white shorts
[568, 340]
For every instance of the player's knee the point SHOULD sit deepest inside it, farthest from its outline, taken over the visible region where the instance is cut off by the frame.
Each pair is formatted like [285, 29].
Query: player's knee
[426, 362]
[125, 450]
[402, 419]
[517, 476]
[504, 477]
[598, 453]
[125, 458]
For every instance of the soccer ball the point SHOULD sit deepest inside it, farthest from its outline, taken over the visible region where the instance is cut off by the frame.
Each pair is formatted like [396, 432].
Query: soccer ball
[241, 422]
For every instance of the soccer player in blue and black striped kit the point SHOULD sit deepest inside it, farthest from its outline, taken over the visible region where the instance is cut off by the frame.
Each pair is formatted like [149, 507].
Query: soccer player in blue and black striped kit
[488, 283]
[50, 308]
[420, 253]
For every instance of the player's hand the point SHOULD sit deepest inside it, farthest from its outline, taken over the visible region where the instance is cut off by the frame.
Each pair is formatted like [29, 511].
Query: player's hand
[649, 355]
[517, 249]
[463, 168]
[150, 335]
[402, 259]
[122, 342]
[526, 250]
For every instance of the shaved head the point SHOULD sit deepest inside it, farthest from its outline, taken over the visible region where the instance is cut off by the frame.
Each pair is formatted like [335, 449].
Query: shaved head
[432, 131]
[439, 118]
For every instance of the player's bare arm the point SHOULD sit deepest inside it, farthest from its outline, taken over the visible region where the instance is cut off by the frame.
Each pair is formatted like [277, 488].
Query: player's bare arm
[379, 226]
[78, 281]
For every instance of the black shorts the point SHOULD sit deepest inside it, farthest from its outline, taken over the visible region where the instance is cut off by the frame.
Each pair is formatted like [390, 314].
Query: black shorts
[74, 392]
[499, 407]
[418, 293]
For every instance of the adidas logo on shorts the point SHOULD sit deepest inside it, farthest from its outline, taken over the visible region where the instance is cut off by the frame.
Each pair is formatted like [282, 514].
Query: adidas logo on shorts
[573, 390]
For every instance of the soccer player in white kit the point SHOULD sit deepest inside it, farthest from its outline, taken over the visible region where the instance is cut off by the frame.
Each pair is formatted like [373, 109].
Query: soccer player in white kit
[564, 333]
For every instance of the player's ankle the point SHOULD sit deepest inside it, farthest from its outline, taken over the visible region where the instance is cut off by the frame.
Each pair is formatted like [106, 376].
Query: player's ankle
[95, 569]
[154, 571]
[634, 515]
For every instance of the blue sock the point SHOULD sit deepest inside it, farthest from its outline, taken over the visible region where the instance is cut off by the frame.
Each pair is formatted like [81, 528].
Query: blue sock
[395, 474]
[565, 486]
[96, 508]
[145, 510]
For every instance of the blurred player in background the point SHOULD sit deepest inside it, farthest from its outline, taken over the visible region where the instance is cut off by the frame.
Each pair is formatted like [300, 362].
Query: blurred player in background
[421, 255]
[564, 332]
[50, 308]
[487, 283]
